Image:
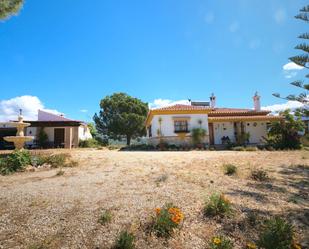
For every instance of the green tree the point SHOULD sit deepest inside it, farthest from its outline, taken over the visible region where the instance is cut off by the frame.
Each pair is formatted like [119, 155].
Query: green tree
[9, 8]
[92, 129]
[283, 135]
[301, 60]
[121, 115]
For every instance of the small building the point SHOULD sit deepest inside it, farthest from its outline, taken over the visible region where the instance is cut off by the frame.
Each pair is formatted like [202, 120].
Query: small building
[61, 132]
[173, 124]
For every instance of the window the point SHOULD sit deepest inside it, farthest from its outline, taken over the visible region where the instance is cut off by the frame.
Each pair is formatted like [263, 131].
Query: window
[181, 126]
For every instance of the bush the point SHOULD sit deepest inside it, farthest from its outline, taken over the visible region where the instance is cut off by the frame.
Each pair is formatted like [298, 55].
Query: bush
[220, 242]
[166, 219]
[15, 161]
[217, 205]
[230, 169]
[198, 135]
[251, 148]
[125, 240]
[55, 161]
[105, 217]
[285, 134]
[139, 147]
[259, 175]
[238, 148]
[277, 234]
[89, 143]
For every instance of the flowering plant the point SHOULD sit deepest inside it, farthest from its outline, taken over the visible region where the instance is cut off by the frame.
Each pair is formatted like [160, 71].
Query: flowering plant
[220, 242]
[167, 219]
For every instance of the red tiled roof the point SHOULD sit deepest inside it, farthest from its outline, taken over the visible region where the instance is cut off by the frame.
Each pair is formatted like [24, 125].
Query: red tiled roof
[213, 111]
[182, 108]
[244, 118]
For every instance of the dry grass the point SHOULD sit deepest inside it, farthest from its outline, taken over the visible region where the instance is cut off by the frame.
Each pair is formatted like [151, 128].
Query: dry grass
[39, 209]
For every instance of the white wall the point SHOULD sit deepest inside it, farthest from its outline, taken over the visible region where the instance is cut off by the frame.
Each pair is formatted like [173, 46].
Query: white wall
[167, 124]
[256, 132]
[84, 132]
[223, 129]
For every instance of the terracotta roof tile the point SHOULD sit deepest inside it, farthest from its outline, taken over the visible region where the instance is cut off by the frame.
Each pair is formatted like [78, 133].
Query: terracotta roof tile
[182, 108]
[244, 118]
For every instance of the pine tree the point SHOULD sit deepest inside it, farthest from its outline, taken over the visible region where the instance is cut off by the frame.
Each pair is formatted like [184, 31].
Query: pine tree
[9, 8]
[303, 61]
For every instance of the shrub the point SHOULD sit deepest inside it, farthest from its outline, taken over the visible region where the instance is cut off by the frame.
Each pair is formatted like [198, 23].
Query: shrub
[259, 175]
[285, 135]
[251, 148]
[238, 148]
[125, 240]
[166, 220]
[230, 169]
[88, 143]
[42, 138]
[220, 242]
[105, 217]
[198, 135]
[15, 161]
[217, 205]
[277, 234]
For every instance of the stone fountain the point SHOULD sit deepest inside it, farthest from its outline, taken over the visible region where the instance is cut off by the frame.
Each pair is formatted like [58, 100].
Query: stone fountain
[20, 139]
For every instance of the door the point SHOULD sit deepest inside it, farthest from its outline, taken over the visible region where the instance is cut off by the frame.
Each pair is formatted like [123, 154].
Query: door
[59, 137]
[211, 133]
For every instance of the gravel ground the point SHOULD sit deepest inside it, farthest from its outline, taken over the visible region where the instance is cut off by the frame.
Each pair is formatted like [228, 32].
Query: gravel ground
[42, 210]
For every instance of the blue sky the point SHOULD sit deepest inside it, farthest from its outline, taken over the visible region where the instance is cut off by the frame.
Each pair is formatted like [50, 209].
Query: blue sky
[70, 54]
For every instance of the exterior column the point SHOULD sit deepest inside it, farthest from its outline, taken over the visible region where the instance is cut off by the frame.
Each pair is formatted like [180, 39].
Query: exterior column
[68, 137]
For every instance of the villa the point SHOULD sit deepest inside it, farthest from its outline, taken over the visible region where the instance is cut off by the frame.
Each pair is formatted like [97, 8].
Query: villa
[173, 124]
[61, 132]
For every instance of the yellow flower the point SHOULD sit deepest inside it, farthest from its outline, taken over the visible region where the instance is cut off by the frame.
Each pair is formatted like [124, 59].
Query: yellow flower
[217, 241]
[251, 246]
[296, 246]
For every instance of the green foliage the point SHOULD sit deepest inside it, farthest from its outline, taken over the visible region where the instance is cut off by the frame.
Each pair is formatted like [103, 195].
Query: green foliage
[9, 8]
[105, 217]
[230, 169]
[239, 148]
[301, 60]
[125, 240]
[220, 242]
[89, 143]
[198, 135]
[15, 161]
[42, 138]
[92, 129]
[259, 175]
[276, 234]
[121, 115]
[217, 205]
[166, 220]
[285, 135]
[55, 160]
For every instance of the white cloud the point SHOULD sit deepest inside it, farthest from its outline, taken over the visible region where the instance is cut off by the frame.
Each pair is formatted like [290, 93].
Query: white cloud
[280, 16]
[234, 27]
[292, 66]
[292, 105]
[9, 109]
[290, 70]
[158, 103]
[83, 110]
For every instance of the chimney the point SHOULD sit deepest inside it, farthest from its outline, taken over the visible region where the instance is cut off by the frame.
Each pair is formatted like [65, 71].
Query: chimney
[212, 101]
[256, 101]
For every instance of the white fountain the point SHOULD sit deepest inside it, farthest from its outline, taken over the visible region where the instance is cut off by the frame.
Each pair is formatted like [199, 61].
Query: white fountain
[20, 139]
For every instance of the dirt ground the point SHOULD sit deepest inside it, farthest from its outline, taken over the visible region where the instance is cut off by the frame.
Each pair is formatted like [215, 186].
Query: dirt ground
[43, 210]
